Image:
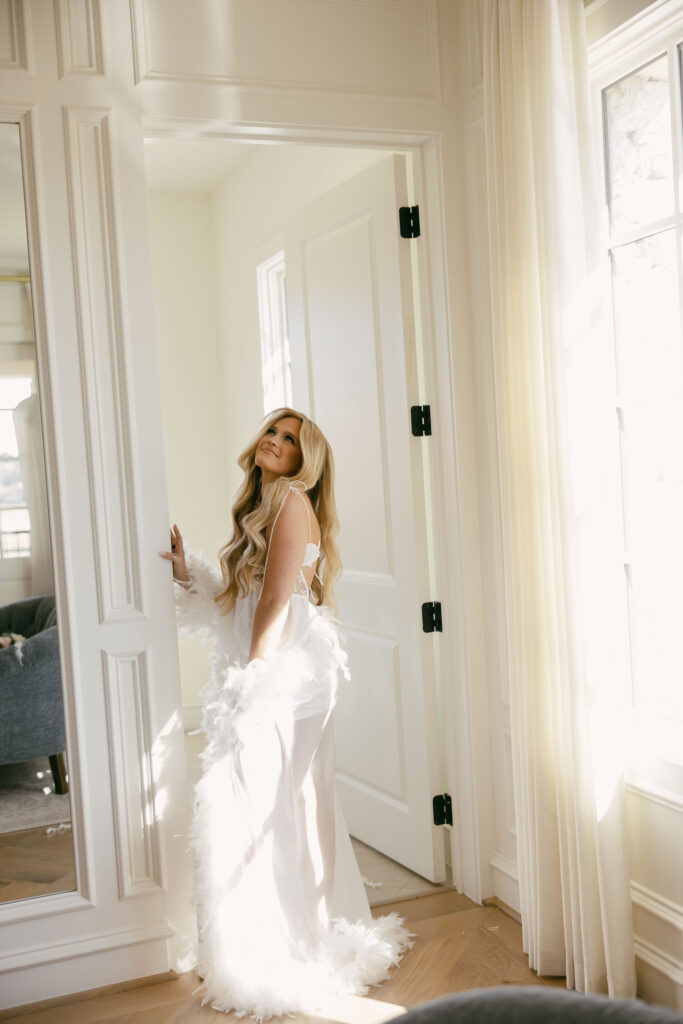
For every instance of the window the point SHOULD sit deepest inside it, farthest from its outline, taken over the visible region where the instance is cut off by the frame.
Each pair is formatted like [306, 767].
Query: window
[640, 109]
[276, 359]
[14, 516]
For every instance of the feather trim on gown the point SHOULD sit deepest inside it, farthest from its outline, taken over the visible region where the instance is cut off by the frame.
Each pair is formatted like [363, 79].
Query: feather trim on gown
[284, 921]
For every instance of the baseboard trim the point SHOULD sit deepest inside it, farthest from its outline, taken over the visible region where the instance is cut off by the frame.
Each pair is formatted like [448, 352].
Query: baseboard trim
[494, 901]
[89, 993]
[70, 949]
[192, 717]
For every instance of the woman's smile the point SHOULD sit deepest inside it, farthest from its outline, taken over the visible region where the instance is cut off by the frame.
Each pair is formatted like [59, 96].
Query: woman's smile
[281, 442]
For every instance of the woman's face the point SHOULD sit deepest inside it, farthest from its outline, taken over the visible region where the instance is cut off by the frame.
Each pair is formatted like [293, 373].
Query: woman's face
[278, 453]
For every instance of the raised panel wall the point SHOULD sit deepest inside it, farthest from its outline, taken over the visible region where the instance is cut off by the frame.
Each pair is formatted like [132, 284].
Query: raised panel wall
[79, 37]
[13, 51]
[341, 45]
[138, 852]
[99, 304]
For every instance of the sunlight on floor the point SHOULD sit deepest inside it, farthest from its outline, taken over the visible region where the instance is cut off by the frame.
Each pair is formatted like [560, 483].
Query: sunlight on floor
[351, 1010]
[357, 1010]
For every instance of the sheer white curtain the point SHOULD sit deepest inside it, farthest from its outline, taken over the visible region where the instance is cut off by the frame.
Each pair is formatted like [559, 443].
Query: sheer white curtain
[27, 424]
[565, 602]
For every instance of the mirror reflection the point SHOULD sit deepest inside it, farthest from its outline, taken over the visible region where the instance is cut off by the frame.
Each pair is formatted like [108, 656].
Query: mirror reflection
[36, 848]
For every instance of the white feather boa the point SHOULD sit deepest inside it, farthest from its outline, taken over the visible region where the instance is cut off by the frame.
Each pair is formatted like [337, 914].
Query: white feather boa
[196, 609]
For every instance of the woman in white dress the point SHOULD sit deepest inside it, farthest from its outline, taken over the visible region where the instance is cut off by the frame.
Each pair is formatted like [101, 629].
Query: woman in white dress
[284, 921]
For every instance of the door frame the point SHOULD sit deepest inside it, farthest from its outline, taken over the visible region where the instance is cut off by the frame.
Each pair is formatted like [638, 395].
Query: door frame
[461, 722]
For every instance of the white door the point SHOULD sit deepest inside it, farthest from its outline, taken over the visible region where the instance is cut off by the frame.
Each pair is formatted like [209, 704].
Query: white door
[351, 324]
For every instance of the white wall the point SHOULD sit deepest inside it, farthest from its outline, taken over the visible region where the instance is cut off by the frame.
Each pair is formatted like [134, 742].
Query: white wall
[191, 375]
[249, 211]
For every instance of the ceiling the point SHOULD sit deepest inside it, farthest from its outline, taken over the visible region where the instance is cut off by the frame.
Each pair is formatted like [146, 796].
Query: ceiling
[192, 165]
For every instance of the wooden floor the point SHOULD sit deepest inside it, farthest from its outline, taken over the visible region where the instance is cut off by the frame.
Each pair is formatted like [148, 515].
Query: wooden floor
[33, 863]
[459, 945]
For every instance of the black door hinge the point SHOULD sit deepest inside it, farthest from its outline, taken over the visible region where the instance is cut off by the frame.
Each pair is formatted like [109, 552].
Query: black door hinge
[443, 809]
[431, 617]
[409, 221]
[421, 420]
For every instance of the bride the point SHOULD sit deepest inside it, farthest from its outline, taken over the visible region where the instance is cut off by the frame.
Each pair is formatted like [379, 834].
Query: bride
[284, 922]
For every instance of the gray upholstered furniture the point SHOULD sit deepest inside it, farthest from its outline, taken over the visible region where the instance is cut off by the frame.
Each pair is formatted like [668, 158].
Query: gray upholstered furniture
[31, 706]
[535, 1004]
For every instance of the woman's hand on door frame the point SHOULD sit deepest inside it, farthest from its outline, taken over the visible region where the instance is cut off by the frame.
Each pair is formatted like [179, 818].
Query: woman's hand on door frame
[177, 556]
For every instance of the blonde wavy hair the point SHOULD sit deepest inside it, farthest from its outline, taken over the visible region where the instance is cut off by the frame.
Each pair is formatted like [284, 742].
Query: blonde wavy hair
[242, 558]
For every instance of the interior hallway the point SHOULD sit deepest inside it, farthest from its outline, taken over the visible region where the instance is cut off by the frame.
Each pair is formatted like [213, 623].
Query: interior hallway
[459, 945]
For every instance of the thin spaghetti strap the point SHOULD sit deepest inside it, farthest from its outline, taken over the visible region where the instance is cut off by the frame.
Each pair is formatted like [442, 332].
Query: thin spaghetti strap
[265, 564]
[308, 514]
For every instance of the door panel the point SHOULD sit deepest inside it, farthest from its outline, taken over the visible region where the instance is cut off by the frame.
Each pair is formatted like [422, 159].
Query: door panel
[351, 326]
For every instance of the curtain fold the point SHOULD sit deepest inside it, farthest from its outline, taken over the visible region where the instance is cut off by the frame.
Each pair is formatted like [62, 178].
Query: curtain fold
[28, 427]
[558, 452]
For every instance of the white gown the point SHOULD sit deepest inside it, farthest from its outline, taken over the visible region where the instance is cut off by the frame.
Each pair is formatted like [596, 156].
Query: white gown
[284, 921]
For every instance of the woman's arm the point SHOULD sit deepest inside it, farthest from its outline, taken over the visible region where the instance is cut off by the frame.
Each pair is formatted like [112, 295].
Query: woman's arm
[286, 553]
[197, 584]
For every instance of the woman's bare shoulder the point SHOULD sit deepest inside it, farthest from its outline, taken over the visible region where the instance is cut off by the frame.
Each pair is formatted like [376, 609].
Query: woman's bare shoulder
[300, 516]
[290, 517]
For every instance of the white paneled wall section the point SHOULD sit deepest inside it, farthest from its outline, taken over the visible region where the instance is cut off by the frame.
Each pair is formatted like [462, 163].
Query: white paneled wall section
[87, 80]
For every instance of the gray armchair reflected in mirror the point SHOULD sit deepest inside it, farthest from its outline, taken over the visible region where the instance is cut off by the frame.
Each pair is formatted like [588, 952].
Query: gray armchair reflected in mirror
[36, 848]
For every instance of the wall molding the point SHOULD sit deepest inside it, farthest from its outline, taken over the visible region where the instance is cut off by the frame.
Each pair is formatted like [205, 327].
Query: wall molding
[663, 908]
[104, 383]
[670, 966]
[17, 59]
[72, 57]
[506, 866]
[136, 833]
[656, 794]
[68, 949]
[639, 33]
[145, 71]
[43, 906]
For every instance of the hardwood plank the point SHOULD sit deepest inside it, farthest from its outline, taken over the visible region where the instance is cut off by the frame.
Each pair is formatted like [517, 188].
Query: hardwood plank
[104, 1005]
[460, 945]
[505, 907]
[432, 905]
[457, 951]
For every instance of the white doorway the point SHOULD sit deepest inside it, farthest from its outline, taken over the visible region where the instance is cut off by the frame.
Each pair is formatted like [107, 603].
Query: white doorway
[351, 328]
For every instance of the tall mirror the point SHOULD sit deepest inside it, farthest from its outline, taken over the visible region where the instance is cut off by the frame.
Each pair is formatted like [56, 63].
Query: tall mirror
[36, 848]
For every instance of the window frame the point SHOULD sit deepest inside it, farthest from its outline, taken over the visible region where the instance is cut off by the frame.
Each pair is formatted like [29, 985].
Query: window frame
[14, 568]
[271, 277]
[637, 43]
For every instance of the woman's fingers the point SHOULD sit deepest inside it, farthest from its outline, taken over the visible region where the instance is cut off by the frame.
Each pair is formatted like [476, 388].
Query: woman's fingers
[177, 552]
